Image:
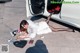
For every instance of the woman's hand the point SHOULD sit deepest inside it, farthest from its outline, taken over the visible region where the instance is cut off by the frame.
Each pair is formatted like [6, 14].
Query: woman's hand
[22, 35]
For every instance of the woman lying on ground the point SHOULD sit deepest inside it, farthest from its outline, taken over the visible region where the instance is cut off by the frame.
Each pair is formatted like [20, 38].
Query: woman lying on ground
[27, 31]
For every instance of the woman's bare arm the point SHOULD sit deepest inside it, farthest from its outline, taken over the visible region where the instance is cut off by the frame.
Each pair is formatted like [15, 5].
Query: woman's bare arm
[22, 35]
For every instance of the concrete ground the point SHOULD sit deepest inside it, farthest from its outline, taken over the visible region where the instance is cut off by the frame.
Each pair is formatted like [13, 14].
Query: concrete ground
[12, 13]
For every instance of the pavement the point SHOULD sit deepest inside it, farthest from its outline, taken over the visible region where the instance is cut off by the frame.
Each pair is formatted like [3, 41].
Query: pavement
[11, 13]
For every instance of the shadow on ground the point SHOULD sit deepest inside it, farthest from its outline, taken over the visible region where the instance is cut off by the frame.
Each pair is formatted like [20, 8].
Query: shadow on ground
[34, 18]
[4, 1]
[39, 47]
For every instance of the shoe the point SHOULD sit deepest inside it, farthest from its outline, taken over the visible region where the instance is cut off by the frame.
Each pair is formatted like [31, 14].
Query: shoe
[11, 33]
[10, 41]
[14, 32]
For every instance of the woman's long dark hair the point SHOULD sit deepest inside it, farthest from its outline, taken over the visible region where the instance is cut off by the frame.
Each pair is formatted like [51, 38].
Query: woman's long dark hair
[23, 22]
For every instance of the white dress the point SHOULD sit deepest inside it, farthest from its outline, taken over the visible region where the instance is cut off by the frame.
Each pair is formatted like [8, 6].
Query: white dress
[37, 29]
[32, 30]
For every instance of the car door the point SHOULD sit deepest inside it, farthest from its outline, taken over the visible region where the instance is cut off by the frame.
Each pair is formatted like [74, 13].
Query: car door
[35, 7]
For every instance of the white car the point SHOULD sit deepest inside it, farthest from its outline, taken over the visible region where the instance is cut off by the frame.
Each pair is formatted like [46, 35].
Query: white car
[69, 12]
